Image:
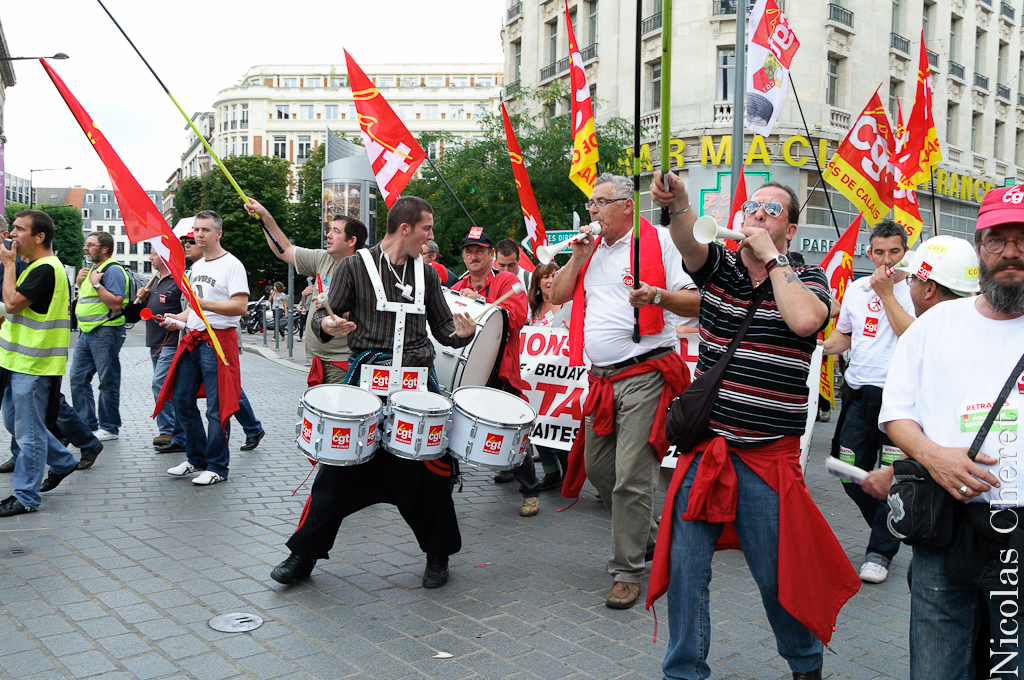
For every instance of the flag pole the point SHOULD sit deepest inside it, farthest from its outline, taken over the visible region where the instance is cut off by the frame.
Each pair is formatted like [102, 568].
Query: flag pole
[202, 139]
[636, 166]
[666, 92]
[451, 190]
[739, 92]
[810, 140]
[935, 210]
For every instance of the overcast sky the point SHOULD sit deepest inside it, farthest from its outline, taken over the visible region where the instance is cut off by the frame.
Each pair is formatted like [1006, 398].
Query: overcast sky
[198, 47]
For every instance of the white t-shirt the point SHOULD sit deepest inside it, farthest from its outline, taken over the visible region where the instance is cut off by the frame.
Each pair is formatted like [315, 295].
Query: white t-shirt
[608, 321]
[945, 372]
[873, 340]
[217, 280]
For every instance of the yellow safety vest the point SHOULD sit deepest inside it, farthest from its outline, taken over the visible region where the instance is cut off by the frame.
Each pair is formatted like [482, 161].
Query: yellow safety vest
[37, 344]
[90, 310]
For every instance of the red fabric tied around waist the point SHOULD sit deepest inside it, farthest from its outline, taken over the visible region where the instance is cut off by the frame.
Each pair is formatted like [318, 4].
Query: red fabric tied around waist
[229, 376]
[815, 575]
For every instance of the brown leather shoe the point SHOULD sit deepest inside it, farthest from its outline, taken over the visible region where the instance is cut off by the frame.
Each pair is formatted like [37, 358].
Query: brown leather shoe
[7, 466]
[813, 675]
[623, 595]
[89, 458]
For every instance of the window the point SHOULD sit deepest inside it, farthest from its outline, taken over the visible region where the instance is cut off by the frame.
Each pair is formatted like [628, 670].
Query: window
[575, 30]
[331, 112]
[655, 85]
[480, 111]
[282, 112]
[997, 151]
[338, 81]
[979, 50]
[895, 87]
[430, 112]
[113, 229]
[549, 110]
[926, 22]
[120, 247]
[133, 248]
[117, 214]
[817, 210]
[726, 73]
[225, 146]
[306, 112]
[1018, 148]
[152, 197]
[896, 17]
[832, 83]
[147, 247]
[234, 116]
[405, 111]
[517, 60]
[234, 146]
[134, 264]
[352, 113]
[289, 82]
[410, 81]
[975, 130]
[245, 117]
[457, 112]
[950, 123]
[313, 81]
[385, 81]
[245, 145]
[552, 42]
[460, 81]
[484, 81]
[1001, 63]
[432, 150]
[106, 213]
[147, 267]
[305, 149]
[435, 81]
[88, 198]
[954, 42]
[85, 213]
[592, 28]
[103, 198]
[280, 147]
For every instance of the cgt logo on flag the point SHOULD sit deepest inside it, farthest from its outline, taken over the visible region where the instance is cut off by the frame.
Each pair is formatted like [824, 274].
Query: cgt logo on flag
[434, 435]
[493, 443]
[341, 438]
[870, 327]
[307, 430]
[381, 377]
[410, 380]
[403, 432]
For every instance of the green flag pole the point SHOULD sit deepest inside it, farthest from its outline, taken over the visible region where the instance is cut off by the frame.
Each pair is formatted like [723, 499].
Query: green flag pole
[636, 168]
[666, 96]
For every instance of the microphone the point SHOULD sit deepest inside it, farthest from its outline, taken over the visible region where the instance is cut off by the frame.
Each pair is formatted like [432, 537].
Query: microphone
[547, 253]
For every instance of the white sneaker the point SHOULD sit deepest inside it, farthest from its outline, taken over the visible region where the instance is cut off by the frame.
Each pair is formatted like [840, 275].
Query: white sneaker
[104, 435]
[185, 468]
[872, 572]
[206, 478]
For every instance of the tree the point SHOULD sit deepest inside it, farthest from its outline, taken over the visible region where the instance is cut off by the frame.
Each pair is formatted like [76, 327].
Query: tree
[307, 213]
[480, 173]
[188, 198]
[68, 239]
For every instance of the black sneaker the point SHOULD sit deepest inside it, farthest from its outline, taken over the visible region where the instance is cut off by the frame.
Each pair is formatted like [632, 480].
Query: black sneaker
[53, 480]
[11, 506]
[552, 480]
[436, 573]
[252, 442]
[293, 569]
[504, 477]
[170, 447]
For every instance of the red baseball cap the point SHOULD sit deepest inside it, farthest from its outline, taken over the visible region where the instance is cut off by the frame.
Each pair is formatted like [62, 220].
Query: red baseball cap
[1002, 206]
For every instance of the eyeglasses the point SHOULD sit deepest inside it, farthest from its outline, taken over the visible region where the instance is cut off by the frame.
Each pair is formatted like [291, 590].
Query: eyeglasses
[910, 279]
[772, 208]
[997, 245]
[602, 202]
[188, 241]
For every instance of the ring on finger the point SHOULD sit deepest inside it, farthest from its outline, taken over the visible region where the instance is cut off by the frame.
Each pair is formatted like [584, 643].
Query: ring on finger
[963, 490]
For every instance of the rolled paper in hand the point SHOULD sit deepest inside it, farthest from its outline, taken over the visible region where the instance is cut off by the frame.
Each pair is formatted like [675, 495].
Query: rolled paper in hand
[547, 253]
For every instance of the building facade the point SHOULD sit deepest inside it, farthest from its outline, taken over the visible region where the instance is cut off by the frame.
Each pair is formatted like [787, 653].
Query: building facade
[848, 48]
[16, 189]
[7, 79]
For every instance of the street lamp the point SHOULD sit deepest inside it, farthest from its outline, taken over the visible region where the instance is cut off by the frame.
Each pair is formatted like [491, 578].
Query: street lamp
[31, 195]
[59, 55]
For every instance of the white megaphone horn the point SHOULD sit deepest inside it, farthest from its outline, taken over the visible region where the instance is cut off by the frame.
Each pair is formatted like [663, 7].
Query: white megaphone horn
[706, 230]
[547, 253]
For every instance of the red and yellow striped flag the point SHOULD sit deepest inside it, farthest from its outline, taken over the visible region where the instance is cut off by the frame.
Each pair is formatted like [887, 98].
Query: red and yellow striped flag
[583, 169]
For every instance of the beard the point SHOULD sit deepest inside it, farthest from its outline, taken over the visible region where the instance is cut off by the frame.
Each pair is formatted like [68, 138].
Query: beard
[1005, 298]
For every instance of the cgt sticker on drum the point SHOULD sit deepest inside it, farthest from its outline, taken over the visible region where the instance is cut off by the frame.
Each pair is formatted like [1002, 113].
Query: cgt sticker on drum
[307, 430]
[493, 443]
[339, 424]
[434, 435]
[403, 432]
[341, 438]
[417, 424]
[489, 428]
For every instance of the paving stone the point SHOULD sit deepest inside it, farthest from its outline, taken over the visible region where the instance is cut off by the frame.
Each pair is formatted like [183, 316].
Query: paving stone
[149, 666]
[87, 664]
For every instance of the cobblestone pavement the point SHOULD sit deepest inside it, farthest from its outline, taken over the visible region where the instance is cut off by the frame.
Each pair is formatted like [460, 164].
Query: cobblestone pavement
[120, 571]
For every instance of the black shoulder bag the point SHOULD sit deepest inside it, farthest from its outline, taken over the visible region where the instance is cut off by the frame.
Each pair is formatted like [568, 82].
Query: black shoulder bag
[689, 413]
[920, 510]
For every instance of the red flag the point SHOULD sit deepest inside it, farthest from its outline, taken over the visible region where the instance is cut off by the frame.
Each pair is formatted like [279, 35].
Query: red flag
[736, 215]
[394, 153]
[531, 213]
[861, 168]
[905, 208]
[142, 219]
[838, 266]
[923, 150]
[583, 169]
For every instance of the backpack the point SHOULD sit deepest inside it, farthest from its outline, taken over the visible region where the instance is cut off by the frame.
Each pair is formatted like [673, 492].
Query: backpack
[130, 310]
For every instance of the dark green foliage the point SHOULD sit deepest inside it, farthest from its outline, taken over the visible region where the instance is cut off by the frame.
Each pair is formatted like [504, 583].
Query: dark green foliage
[67, 224]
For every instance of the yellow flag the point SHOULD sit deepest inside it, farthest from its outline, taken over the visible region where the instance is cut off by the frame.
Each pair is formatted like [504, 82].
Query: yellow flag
[583, 169]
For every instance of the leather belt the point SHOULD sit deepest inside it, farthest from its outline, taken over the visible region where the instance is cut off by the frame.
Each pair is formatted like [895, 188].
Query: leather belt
[646, 356]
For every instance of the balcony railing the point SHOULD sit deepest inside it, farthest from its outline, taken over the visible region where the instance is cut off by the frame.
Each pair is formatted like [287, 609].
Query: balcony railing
[1020, 99]
[933, 59]
[986, 2]
[650, 121]
[559, 67]
[1002, 91]
[723, 112]
[981, 81]
[1007, 11]
[720, 7]
[840, 14]
[898, 42]
[244, 125]
[956, 70]
[955, 155]
[840, 119]
[651, 23]
[548, 71]
[234, 124]
[511, 90]
[515, 10]
[589, 52]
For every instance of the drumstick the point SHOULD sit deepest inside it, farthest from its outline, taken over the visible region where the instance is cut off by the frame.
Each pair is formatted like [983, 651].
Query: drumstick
[518, 288]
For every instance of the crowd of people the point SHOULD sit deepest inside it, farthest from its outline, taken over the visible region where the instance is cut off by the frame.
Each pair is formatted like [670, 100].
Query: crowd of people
[918, 386]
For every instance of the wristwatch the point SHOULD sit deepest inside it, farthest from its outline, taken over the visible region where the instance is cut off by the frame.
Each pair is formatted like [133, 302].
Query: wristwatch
[779, 260]
[657, 296]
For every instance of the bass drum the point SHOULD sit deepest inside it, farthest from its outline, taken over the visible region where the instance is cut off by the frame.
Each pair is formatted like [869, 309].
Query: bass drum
[477, 363]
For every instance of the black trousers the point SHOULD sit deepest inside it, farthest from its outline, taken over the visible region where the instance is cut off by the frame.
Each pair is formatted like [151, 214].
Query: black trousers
[424, 499]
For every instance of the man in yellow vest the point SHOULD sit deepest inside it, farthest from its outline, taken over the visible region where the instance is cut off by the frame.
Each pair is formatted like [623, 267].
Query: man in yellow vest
[101, 293]
[34, 342]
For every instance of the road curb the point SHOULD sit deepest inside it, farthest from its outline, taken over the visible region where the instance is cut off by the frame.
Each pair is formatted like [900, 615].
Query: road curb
[271, 355]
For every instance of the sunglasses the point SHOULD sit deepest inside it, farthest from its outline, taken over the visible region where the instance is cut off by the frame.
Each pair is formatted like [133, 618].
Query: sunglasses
[772, 208]
[188, 241]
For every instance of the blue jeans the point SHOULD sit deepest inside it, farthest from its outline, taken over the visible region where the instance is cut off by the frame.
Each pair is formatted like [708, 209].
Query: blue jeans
[251, 426]
[197, 367]
[945, 616]
[25, 401]
[73, 428]
[693, 546]
[165, 420]
[98, 352]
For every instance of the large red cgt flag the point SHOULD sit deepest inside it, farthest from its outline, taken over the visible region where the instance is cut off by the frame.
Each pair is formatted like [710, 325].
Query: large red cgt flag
[838, 266]
[583, 168]
[394, 153]
[923, 150]
[142, 219]
[531, 213]
[861, 168]
[905, 208]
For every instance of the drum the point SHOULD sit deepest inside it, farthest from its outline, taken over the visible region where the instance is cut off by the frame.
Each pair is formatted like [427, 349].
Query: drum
[416, 424]
[476, 363]
[489, 428]
[339, 424]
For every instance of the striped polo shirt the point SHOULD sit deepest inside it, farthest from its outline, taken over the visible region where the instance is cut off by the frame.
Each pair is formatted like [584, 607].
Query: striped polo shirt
[764, 391]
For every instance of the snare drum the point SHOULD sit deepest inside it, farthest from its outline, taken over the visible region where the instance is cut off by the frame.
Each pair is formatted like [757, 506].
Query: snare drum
[477, 363]
[339, 424]
[416, 424]
[490, 427]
